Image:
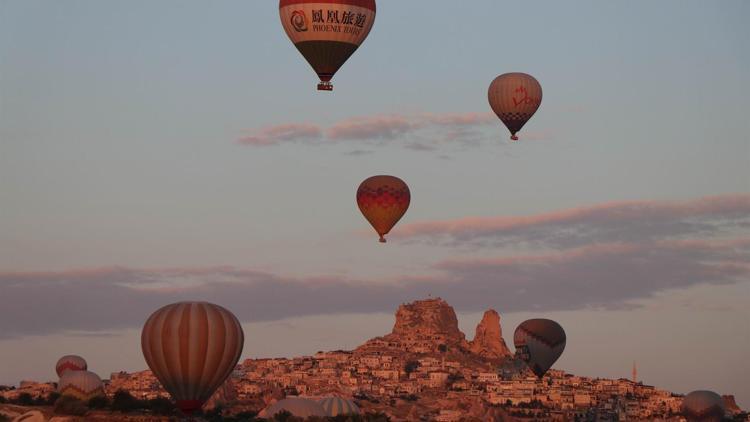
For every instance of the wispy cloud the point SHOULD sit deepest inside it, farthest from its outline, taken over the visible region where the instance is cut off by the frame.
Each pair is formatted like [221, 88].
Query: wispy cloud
[606, 256]
[290, 132]
[416, 130]
[372, 128]
[625, 221]
[604, 276]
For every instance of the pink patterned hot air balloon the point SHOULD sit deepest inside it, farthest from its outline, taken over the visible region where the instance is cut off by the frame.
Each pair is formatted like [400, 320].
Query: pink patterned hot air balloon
[70, 363]
[515, 97]
[383, 200]
[539, 343]
[192, 348]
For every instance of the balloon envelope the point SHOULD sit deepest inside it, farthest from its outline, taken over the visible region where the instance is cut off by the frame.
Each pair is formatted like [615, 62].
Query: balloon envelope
[192, 348]
[335, 406]
[70, 363]
[383, 200]
[514, 97]
[83, 385]
[327, 32]
[703, 406]
[539, 343]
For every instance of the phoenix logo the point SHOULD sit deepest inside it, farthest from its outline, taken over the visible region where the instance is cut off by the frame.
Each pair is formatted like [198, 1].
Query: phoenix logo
[525, 99]
[299, 21]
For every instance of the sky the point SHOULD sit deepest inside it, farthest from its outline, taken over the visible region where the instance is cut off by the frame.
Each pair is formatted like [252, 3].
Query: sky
[152, 152]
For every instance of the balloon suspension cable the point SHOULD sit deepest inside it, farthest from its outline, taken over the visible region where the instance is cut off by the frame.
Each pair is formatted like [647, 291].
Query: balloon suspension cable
[514, 137]
[325, 86]
[382, 239]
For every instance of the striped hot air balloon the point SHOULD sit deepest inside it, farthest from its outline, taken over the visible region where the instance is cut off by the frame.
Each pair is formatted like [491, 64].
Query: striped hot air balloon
[83, 385]
[327, 32]
[515, 97]
[192, 348]
[335, 406]
[383, 200]
[70, 363]
[703, 406]
[539, 343]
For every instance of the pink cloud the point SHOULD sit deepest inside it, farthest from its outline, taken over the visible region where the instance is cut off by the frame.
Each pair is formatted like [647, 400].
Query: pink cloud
[458, 127]
[607, 222]
[290, 132]
[371, 128]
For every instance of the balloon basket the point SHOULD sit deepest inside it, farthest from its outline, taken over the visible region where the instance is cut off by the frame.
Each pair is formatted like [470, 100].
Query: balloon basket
[325, 86]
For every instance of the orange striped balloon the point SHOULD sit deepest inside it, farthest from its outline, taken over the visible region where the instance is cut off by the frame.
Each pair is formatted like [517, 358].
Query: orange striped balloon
[515, 97]
[192, 348]
[383, 200]
[327, 32]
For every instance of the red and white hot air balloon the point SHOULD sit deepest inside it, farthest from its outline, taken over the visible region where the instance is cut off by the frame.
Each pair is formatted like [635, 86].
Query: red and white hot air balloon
[83, 385]
[70, 363]
[383, 200]
[192, 348]
[335, 406]
[327, 32]
[703, 406]
[515, 97]
[539, 342]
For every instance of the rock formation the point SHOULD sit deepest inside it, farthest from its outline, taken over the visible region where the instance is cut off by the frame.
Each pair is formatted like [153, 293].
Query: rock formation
[488, 341]
[731, 404]
[431, 326]
[425, 318]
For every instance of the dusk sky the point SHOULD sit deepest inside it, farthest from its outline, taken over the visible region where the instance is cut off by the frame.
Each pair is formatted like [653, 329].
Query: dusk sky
[152, 152]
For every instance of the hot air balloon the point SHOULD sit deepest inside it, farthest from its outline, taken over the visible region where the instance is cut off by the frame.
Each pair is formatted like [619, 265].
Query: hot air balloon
[327, 32]
[514, 97]
[703, 406]
[83, 385]
[383, 200]
[70, 363]
[539, 342]
[335, 406]
[192, 348]
[297, 406]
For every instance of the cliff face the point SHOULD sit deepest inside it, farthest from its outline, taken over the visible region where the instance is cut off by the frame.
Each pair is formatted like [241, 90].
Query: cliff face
[730, 404]
[430, 326]
[427, 318]
[488, 341]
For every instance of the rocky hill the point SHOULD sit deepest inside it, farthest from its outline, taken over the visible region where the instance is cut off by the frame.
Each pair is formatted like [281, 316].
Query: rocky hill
[427, 318]
[431, 326]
